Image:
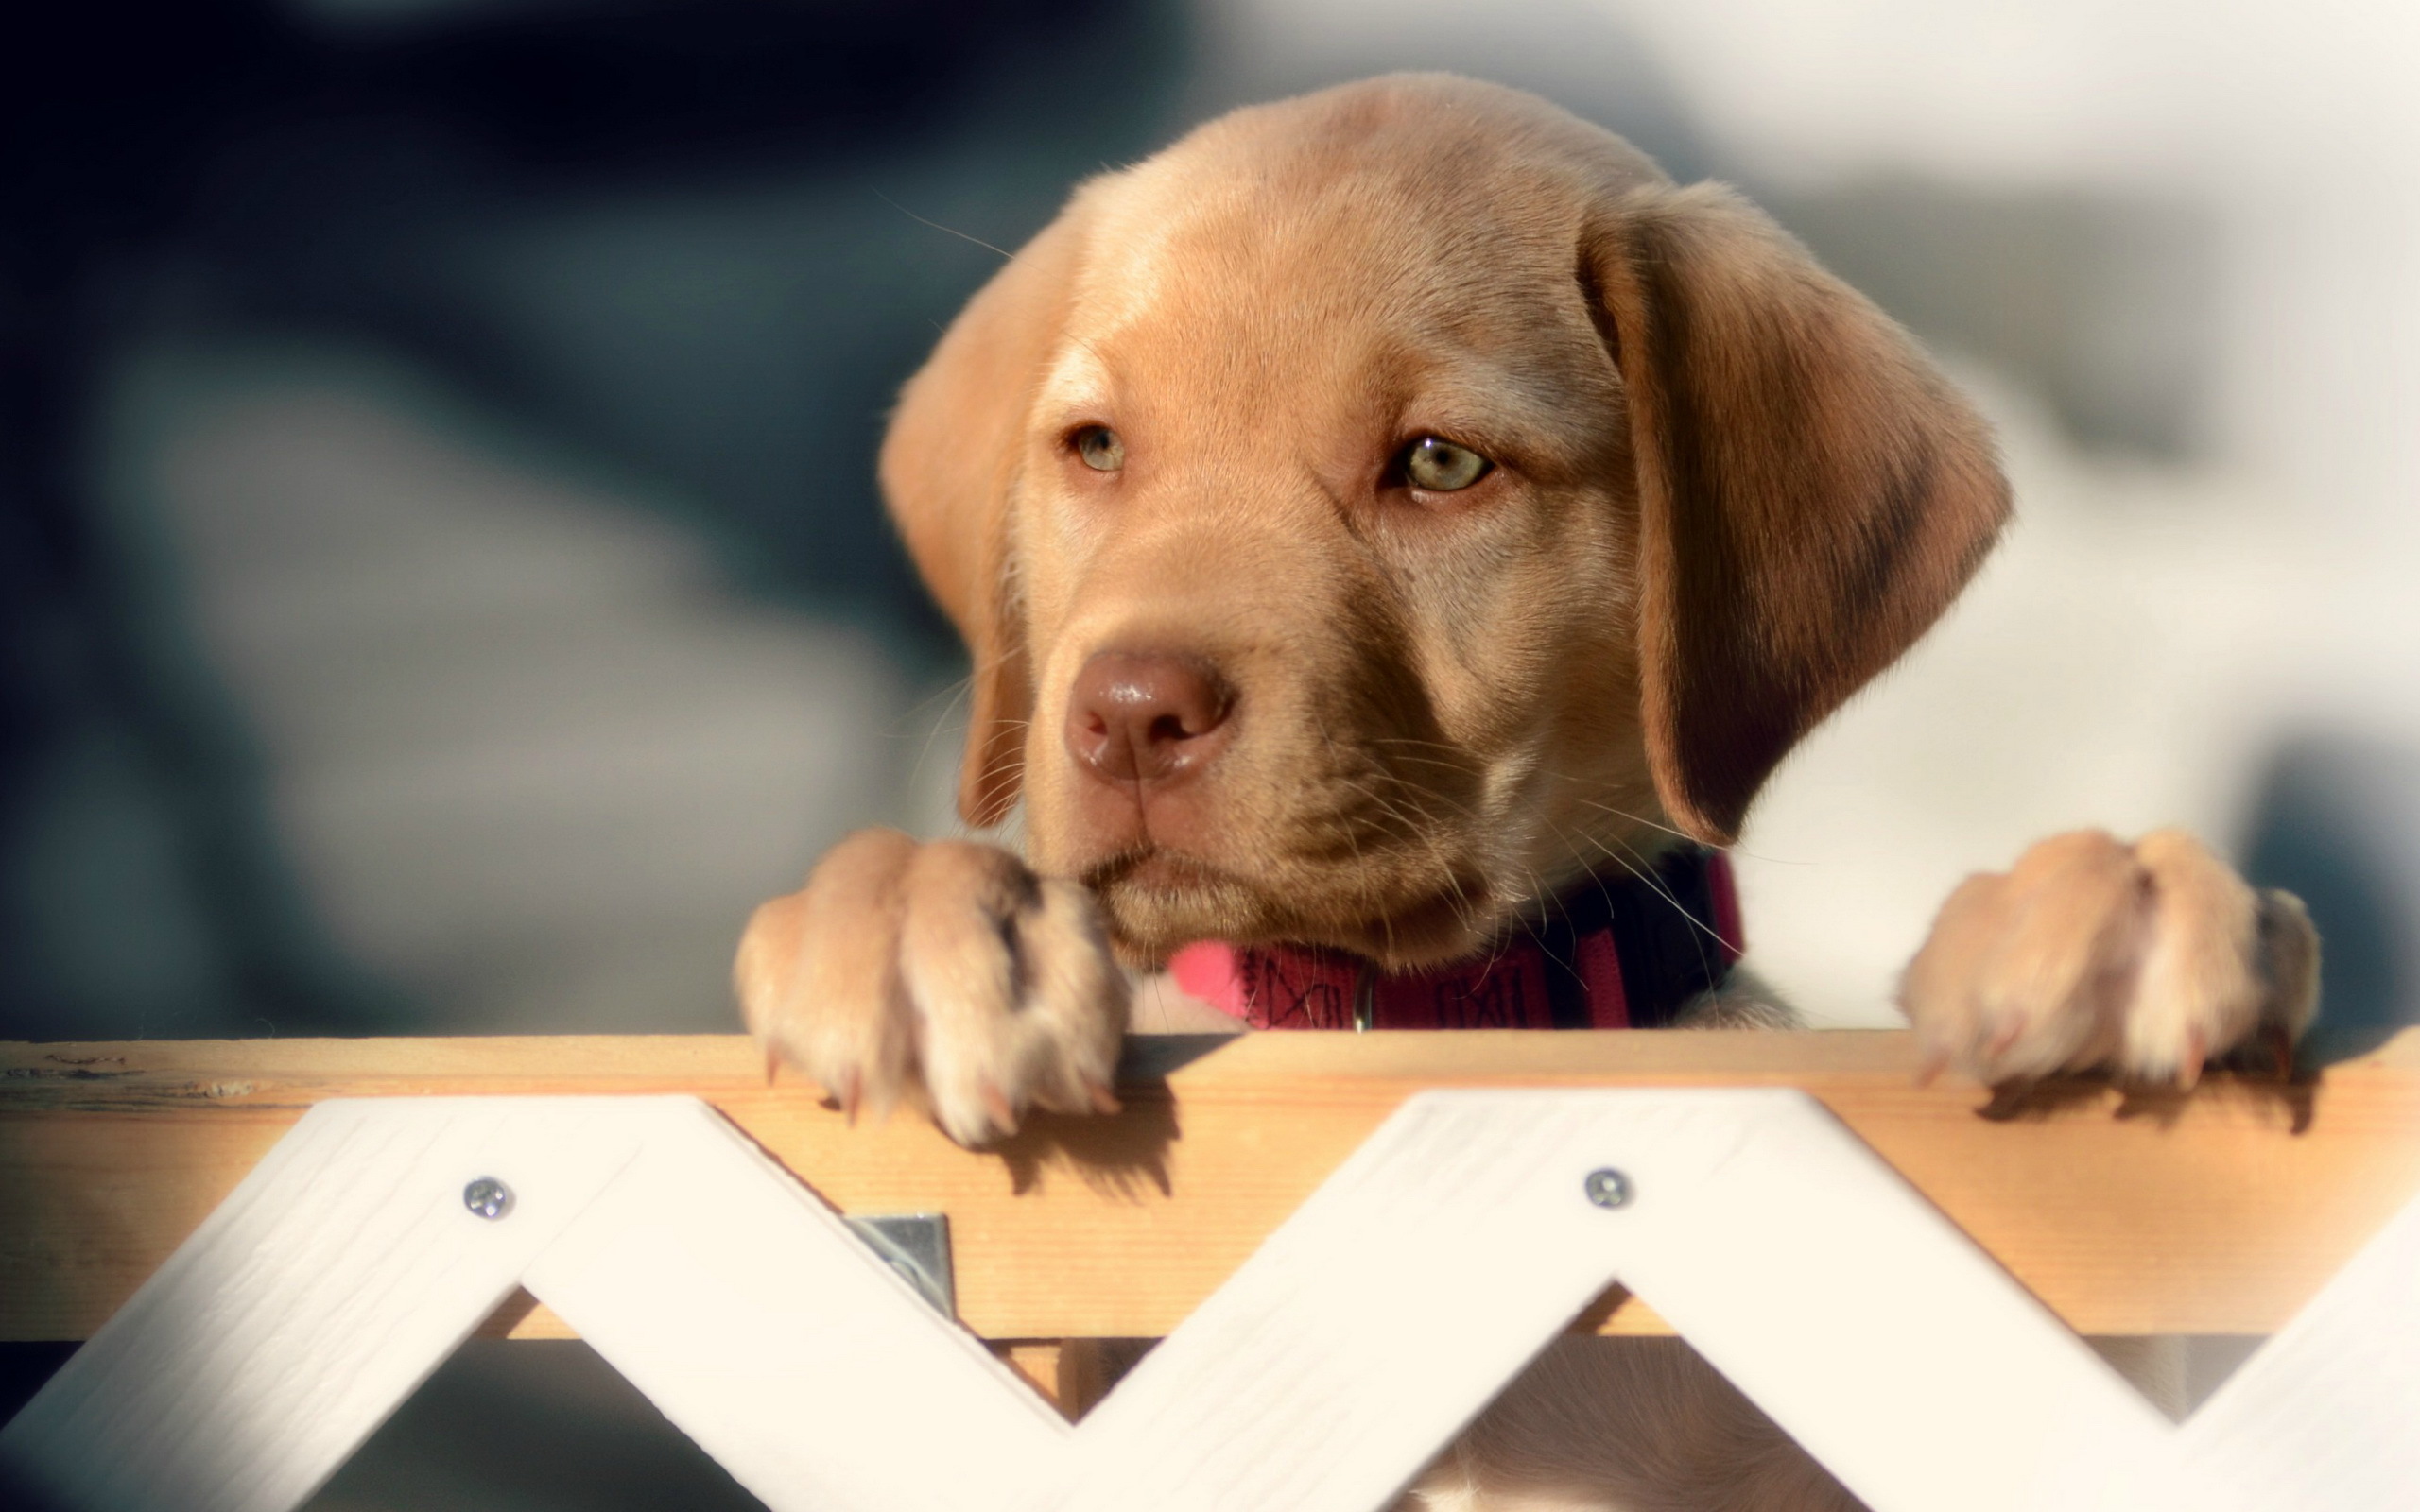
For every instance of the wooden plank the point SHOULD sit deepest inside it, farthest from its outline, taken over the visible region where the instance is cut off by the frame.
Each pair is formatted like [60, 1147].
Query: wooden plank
[1041, 1363]
[2218, 1214]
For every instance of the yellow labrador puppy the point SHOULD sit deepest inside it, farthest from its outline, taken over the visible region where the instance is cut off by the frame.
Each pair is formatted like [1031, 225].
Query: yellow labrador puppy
[1382, 522]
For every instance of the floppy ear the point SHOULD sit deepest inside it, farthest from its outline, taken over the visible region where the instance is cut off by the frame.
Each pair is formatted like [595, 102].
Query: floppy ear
[1811, 493]
[948, 465]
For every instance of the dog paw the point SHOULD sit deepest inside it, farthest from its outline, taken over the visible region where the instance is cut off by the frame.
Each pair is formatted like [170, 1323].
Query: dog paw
[944, 975]
[2151, 959]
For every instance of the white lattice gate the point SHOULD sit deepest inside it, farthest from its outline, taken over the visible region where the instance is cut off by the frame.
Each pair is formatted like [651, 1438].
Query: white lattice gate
[1466, 1229]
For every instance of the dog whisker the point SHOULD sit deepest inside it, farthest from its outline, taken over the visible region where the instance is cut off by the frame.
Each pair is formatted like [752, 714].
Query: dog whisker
[1634, 818]
[1655, 884]
[937, 226]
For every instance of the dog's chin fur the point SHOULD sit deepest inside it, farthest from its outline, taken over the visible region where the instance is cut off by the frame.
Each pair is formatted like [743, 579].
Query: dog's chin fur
[1158, 899]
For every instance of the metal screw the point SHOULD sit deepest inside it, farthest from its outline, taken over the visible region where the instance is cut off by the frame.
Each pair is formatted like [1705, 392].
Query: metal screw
[487, 1197]
[1606, 1187]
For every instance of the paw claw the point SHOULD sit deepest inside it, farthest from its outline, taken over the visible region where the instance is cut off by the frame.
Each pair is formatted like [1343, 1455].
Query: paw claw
[2281, 1050]
[2197, 1049]
[1935, 1061]
[1004, 1116]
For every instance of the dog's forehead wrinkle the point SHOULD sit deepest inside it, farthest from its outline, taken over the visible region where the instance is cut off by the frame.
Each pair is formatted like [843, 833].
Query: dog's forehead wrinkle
[1365, 229]
[1262, 278]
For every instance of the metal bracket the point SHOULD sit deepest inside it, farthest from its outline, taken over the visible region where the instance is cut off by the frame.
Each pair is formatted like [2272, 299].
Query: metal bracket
[916, 1245]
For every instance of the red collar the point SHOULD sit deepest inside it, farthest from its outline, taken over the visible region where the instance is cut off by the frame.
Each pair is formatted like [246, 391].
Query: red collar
[1621, 952]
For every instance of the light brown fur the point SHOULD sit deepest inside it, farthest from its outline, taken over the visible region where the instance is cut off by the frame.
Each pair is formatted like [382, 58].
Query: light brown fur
[1727, 493]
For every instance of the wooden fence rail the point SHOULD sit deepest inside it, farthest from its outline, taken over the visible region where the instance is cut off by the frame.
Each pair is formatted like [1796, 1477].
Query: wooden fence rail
[2218, 1213]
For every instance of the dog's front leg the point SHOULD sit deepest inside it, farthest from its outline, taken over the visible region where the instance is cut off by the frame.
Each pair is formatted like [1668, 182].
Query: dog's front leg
[945, 974]
[2150, 959]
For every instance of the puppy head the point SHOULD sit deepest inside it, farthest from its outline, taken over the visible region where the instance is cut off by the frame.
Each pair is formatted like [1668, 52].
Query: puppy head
[1382, 506]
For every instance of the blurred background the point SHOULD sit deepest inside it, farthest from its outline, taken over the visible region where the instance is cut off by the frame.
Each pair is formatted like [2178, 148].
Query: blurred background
[441, 587]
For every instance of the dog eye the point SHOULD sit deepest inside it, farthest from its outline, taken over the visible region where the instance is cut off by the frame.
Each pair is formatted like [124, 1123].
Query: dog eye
[1441, 466]
[1100, 448]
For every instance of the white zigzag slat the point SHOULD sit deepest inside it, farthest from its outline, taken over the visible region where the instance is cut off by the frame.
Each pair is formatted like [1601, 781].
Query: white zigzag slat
[1359, 1338]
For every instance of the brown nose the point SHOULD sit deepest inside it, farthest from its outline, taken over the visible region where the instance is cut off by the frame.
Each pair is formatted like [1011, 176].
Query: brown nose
[1146, 717]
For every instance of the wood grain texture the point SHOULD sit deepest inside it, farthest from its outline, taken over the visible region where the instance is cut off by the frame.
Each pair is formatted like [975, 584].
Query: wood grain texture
[2221, 1213]
[1040, 1364]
